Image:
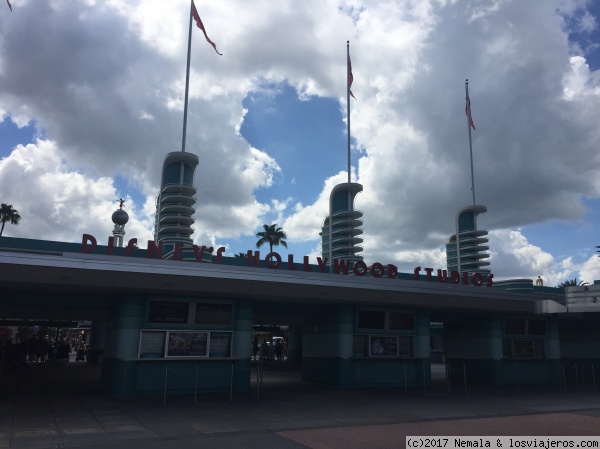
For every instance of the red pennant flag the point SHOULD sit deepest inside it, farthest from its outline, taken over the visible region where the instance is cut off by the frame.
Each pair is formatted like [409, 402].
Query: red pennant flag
[350, 77]
[201, 26]
[468, 112]
[9, 5]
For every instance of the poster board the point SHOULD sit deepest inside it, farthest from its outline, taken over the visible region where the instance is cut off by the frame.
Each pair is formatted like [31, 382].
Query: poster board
[524, 349]
[383, 346]
[152, 344]
[187, 344]
[220, 344]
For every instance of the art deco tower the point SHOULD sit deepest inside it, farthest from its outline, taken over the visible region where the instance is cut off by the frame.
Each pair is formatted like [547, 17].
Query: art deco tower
[341, 231]
[466, 251]
[175, 201]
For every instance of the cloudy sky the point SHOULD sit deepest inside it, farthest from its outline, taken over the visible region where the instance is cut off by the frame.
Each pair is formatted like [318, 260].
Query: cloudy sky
[91, 100]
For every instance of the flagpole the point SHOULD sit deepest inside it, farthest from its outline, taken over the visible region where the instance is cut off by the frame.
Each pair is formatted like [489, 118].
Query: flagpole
[187, 80]
[469, 121]
[348, 101]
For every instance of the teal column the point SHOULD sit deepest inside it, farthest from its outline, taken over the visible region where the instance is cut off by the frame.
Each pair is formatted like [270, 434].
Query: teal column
[242, 336]
[495, 341]
[294, 345]
[423, 347]
[124, 326]
[346, 345]
[345, 331]
[553, 351]
[119, 363]
[327, 346]
[329, 334]
[499, 372]
[242, 344]
[553, 339]
[422, 334]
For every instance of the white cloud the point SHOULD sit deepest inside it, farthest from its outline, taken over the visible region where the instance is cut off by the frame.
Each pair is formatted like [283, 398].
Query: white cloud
[577, 81]
[305, 223]
[513, 256]
[589, 271]
[103, 81]
[57, 203]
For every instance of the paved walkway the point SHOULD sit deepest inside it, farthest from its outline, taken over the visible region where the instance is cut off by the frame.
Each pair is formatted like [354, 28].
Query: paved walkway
[59, 406]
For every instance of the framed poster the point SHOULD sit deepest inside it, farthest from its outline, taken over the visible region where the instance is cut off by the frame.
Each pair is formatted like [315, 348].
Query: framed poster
[152, 344]
[187, 344]
[524, 349]
[220, 344]
[381, 346]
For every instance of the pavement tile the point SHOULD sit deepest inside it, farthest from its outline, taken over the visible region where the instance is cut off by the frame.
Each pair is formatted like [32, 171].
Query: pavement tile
[288, 415]
[394, 435]
[125, 428]
[86, 439]
[35, 438]
[216, 427]
[173, 430]
[31, 428]
[123, 435]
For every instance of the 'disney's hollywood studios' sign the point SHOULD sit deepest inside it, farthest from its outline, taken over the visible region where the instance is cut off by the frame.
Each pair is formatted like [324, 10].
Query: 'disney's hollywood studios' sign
[273, 261]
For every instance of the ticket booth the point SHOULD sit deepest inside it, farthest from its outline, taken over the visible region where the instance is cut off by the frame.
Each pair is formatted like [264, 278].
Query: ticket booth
[367, 346]
[500, 350]
[178, 345]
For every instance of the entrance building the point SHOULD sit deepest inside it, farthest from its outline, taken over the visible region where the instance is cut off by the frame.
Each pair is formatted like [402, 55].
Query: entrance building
[189, 324]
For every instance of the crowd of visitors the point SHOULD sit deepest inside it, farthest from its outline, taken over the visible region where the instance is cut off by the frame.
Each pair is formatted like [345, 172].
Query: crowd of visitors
[269, 350]
[15, 356]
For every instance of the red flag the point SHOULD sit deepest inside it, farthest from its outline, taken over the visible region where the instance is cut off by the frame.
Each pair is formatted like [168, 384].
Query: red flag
[201, 26]
[350, 77]
[9, 5]
[468, 112]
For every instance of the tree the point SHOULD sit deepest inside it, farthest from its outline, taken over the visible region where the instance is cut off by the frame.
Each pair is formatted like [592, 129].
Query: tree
[272, 235]
[241, 255]
[7, 213]
[572, 283]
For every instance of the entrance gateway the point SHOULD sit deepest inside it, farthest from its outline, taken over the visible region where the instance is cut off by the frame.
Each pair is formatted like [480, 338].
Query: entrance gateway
[151, 317]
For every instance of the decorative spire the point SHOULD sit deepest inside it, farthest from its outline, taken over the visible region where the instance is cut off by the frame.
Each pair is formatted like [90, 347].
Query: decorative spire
[120, 219]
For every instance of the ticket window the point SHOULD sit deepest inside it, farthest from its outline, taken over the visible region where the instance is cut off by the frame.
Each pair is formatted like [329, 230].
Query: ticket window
[524, 338]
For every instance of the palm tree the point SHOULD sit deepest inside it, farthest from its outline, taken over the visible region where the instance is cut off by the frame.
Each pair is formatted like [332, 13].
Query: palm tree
[572, 283]
[241, 255]
[7, 213]
[272, 235]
